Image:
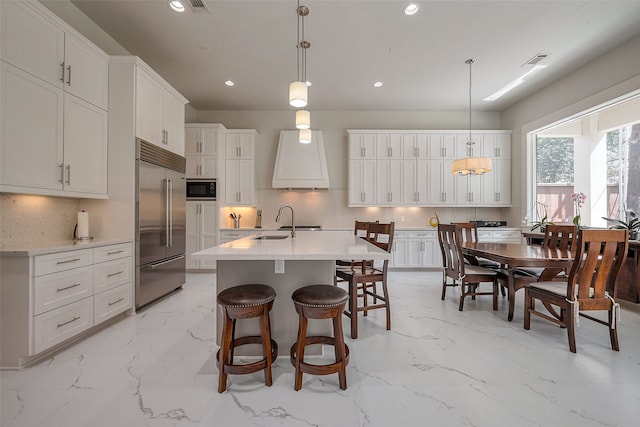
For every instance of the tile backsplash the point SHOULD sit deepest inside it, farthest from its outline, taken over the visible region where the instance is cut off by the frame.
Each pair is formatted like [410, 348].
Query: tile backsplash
[26, 219]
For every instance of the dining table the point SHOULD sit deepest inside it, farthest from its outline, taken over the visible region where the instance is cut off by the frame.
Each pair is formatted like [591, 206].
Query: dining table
[513, 256]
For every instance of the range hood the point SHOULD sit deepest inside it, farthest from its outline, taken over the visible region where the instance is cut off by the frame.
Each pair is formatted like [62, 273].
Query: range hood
[300, 166]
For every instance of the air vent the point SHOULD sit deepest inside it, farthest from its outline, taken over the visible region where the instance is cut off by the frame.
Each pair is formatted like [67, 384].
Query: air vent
[199, 6]
[534, 61]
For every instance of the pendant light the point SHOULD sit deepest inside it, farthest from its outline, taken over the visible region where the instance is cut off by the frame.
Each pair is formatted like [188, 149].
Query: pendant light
[470, 165]
[303, 119]
[304, 136]
[298, 89]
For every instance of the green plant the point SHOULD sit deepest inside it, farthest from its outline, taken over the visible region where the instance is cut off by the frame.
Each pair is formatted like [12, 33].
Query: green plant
[541, 213]
[631, 222]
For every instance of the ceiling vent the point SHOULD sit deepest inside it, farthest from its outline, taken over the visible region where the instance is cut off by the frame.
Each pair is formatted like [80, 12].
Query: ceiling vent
[534, 61]
[199, 6]
[300, 166]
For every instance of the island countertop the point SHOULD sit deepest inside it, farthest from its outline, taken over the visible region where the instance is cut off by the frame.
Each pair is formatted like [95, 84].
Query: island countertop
[308, 245]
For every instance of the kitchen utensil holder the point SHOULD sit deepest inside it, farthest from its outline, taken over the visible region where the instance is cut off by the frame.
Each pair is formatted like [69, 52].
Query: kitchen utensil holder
[236, 222]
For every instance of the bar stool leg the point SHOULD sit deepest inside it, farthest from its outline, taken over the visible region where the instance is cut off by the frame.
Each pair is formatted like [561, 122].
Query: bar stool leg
[265, 327]
[340, 349]
[302, 333]
[353, 307]
[225, 352]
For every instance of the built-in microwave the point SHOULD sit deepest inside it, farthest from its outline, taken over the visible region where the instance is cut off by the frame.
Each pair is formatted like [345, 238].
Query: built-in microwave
[201, 189]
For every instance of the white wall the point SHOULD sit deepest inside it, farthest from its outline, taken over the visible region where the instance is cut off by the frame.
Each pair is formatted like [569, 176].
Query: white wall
[611, 76]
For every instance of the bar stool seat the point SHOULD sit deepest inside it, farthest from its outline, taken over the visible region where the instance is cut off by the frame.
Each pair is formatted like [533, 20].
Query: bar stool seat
[246, 302]
[320, 302]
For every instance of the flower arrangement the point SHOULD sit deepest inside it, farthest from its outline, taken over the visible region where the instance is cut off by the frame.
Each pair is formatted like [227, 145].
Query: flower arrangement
[541, 212]
[578, 200]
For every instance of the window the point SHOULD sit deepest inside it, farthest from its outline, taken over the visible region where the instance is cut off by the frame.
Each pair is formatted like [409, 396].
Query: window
[598, 154]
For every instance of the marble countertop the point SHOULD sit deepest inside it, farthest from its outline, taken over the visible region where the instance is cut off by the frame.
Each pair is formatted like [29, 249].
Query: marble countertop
[328, 245]
[43, 248]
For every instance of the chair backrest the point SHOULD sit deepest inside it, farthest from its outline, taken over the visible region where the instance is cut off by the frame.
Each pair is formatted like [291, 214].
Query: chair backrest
[560, 237]
[449, 237]
[361, 229]
[468, 231]
[381, 235]
[599, 258]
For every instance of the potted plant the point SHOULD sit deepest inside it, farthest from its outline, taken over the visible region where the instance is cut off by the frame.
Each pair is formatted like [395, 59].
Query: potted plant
[631, 223]
[541, 212]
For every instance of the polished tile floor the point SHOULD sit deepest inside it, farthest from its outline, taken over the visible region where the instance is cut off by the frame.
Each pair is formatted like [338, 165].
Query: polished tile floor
[437, 367]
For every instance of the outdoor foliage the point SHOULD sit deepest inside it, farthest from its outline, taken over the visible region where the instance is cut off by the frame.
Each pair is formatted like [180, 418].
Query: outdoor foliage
[554, 160]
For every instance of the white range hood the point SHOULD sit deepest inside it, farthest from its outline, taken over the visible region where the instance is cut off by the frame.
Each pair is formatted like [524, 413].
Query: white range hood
[301, 166]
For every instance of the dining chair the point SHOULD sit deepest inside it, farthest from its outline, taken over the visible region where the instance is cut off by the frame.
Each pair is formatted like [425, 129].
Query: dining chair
[360, 229]
[363, 279]
[467, 276]
[556, 236]
[469, 232]
[598, 260]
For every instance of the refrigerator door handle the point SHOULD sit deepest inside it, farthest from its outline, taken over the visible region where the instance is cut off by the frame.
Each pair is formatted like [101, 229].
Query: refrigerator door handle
[158, 264]
[166, 212]
[170, 212]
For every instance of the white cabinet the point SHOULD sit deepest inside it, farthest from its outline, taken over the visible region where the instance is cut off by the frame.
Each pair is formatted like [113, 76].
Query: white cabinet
[231, 235]
[362, 182]
[54, 118]
[201, 149]
[423, 172]
[49, 298]
[202, 167]
[202, 232]
[500, 235]
[159, 111]
[389, 182]
[416, 249]
[239, 182]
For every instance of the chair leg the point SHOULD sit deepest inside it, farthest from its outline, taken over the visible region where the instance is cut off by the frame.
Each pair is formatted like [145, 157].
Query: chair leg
[571, 333]
[265, 328]
[613, 332]
[444, 284]
[387, 304]
[502, 290]
[365, 297]
[302, 333]
[528, 306]
[463, 292]
[495, 294]
[353, 307]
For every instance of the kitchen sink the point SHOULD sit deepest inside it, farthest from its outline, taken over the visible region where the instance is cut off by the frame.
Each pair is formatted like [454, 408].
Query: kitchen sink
[270, 237]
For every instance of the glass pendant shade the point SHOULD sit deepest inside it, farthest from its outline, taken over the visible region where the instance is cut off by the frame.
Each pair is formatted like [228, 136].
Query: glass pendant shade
[303, 119]
[298, 94]
[305, 136]
[471, 166]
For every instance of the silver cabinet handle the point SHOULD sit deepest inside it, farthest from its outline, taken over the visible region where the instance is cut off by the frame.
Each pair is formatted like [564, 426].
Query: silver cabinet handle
[115, 252]
[61, 179]
[167, 137]
[62, 66]
[68, 321]
[68, 261]
[115, 274]
[166, 262]
[69, 75]
[116, 301]
[75, 285]
[68, 174]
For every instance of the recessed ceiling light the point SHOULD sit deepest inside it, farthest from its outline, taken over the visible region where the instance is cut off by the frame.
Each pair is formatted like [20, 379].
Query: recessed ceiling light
[411, 9]
[377, 84]
[176, 5]
[229, 83]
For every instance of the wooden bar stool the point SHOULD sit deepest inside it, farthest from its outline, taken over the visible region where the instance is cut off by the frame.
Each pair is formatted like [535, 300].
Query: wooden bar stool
[320, 302]
[246, 302]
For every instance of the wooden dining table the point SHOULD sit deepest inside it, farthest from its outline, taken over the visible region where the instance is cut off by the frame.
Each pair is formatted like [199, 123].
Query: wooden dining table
[512, 256]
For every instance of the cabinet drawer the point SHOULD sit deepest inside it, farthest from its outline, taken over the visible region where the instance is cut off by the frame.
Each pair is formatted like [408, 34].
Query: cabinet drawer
[107, 253]
[112, 302]
[65, 322]
[111, 274]
[53, 263]
[58, 289]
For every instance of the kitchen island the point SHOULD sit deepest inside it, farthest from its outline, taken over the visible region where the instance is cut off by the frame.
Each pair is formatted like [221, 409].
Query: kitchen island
[285, 263]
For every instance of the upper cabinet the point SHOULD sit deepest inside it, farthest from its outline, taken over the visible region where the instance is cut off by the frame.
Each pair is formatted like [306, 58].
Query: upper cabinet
[239, 181]
[201, 149]
[413, 168]
[54, 83]
[159, 111]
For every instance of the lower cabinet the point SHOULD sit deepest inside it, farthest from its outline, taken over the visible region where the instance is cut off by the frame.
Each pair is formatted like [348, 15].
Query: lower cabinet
[50, 298]
[235, 234]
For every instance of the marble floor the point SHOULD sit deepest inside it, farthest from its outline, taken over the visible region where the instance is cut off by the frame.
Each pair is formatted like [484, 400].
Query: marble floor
[437, 367]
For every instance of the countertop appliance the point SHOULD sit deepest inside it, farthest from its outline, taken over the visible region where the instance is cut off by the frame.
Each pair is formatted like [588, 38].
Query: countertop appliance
[201, 189]
[160, 222]
[490, 223]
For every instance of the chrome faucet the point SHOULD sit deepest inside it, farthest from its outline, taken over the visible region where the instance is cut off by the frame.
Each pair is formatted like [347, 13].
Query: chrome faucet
[293, 227]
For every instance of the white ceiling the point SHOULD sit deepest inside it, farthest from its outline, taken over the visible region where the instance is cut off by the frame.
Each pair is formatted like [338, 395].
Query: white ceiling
[420, 59]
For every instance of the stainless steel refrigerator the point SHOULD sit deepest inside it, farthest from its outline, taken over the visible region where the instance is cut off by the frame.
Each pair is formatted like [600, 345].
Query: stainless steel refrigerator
[160, 222]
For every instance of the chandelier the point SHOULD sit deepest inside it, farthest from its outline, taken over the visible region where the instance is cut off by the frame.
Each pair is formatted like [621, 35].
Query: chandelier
[298, 90]
[470, 165]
